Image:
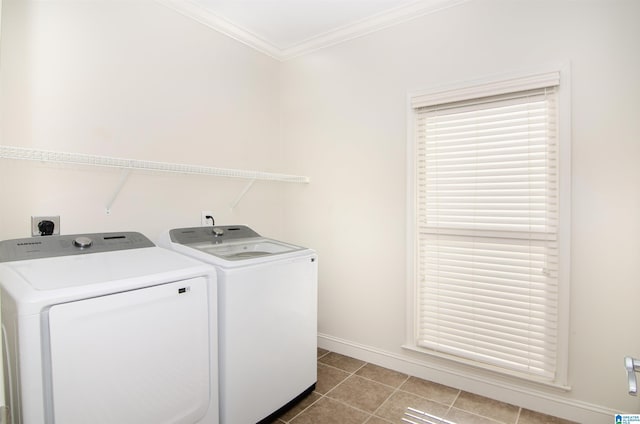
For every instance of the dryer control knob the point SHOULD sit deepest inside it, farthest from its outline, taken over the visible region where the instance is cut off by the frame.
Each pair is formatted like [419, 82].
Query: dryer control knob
[82, 242]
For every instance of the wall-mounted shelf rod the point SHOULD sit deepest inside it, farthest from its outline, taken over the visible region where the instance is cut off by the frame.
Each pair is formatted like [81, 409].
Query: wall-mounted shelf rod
[22, 153]
[246, 189]
[123, 180]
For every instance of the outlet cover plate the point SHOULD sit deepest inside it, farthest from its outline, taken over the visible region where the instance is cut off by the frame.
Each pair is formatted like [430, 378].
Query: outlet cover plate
[203, 219]
[35, 220]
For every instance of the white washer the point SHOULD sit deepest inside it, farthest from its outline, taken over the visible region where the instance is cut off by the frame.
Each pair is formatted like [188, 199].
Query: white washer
[107, 328]
[267, 306]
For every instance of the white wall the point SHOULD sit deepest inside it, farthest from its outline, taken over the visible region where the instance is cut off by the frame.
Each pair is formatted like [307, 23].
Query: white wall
[346, 125]
[133, 79]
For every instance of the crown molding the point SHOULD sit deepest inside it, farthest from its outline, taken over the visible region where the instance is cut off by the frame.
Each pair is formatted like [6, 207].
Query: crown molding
[368, 25]
[335, 36]
[206, 17]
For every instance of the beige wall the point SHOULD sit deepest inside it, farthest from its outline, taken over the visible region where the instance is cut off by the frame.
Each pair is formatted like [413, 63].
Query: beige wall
[346, 125]
[133, 79]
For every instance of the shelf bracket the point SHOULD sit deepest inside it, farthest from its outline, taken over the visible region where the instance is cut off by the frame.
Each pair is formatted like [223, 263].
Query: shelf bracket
[246, 189]
[124, 176]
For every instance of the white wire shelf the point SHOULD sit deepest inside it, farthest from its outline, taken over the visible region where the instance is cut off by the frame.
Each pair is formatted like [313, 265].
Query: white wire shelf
[22, 153]
[128, 165]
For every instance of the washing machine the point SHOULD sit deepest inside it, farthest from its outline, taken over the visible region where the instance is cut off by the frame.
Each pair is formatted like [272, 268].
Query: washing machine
[267, 314]
[107, 328]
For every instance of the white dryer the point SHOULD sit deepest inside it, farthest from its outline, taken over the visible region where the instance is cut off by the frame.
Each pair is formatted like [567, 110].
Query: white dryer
[107, 328]
[267, 306]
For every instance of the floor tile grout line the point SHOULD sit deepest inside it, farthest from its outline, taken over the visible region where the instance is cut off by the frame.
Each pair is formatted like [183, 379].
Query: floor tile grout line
[312, 403]
[453, 403]
[350, 406]
[354, 373]
[381, 383]
[395, 390]
[303, 410]
[370, 414]
[407, 377]
[518, 416]
[337, 368]
[476, 414]
[342, 369]
[323, 355]
[351, 374]
[325, 395]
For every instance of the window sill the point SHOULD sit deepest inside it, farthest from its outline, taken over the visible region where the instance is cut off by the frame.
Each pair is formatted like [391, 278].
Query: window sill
[484, 372]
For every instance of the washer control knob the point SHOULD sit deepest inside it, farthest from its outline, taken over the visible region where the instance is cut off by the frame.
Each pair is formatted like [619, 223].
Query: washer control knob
[217, 232]
[82, 242]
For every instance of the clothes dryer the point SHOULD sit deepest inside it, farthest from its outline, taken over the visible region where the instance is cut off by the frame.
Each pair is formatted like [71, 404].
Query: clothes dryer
[107, 328]
[267, 306]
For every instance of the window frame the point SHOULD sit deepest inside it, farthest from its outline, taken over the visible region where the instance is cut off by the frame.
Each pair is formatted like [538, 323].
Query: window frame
[495, 85]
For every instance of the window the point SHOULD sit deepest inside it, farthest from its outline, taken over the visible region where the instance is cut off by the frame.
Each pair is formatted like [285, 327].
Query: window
[486, 226]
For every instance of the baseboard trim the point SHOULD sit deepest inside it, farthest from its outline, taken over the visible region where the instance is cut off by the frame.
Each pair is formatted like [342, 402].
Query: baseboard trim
[547, 403]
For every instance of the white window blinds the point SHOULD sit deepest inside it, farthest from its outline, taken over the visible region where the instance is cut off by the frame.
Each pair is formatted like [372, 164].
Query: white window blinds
[487, 224]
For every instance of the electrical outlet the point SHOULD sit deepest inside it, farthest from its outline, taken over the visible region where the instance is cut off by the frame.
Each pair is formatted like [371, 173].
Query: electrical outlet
[204, 221]
[36, 228]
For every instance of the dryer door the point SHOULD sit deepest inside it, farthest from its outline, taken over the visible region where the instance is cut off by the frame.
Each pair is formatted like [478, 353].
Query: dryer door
[140, 356]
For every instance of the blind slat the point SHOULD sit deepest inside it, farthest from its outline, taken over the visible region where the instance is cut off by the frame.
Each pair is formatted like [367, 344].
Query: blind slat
[486, 175]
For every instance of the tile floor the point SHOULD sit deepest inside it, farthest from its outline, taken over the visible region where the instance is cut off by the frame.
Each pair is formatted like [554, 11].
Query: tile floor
[350, 391]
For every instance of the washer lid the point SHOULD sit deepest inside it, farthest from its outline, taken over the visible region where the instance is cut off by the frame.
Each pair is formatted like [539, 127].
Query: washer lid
[230, 242]
[112, 268]
[245, 249]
